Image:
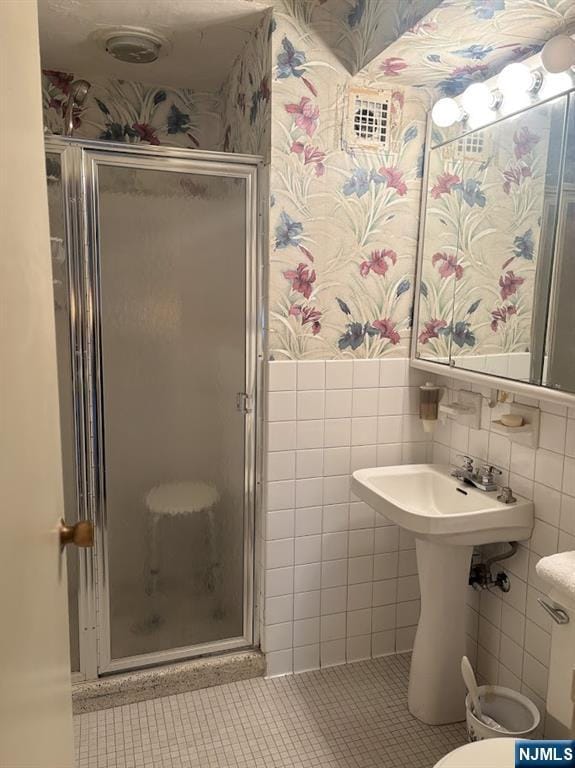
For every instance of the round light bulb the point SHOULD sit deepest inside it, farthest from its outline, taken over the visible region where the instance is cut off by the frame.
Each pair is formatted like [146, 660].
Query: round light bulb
[476, 98]
[515, 77]
[558, 54]
[445, 112]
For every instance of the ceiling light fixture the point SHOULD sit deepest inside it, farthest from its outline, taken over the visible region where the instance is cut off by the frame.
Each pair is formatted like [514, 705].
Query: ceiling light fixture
[519, 78]
[446, 112]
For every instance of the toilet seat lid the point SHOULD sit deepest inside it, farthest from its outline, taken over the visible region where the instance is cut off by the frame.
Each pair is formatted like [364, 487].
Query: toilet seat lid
[495, 753]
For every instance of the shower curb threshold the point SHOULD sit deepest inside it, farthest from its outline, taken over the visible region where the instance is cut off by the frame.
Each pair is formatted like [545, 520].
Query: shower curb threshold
[154, 682]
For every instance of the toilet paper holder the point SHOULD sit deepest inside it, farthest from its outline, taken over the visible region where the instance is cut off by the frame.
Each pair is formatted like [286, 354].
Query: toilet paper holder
[557, 614]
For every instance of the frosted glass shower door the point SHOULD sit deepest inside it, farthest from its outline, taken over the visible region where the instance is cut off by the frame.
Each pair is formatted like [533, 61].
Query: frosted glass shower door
[172, 280]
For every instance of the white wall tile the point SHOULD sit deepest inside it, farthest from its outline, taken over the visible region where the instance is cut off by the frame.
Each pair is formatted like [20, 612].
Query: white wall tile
[279, 553]
[278, 637]
[365, 373]
[547, 503]
[279, 663]
[549, 468]
[306, 632]
[569, 477]
[570, 438]
[404, 639]
[338, 403]
[552, 431]
[360, 569]
[278, 581]
[364, 402]
[279, 609]
[310, 404]
[363, 457]
[309, 434]
[359, 622]
[281, 436]
[334, 545]
[386, 539]
[385, 566]
[361, 542]
[567, 520]
[280, 495]
[339, 374]
[309, 492]
[383, 643]
[544, 539]
[384, 592]
[393, 372]
[332, 653]
[389, 455]
[358, 648]
[537, 643]
[333, 600]
[389, 429]
[364, 431]
[306, 658]
[359, 596]
[281, 465]
[309, 463]
[307, 549]
[336, 489]
[337, 461]
[311, 374]
[523, 460]
[281, 375]
[334, 573]
[360, 515]
[333, 626]
[280, 524]
[281, 406]
[308, 521]
[383, 617]
[307, 577]
[391, 401]
[337, 433]
[335, 518]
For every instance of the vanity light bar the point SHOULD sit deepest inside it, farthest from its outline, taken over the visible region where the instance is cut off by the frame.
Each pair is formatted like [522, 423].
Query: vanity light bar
[558, 56]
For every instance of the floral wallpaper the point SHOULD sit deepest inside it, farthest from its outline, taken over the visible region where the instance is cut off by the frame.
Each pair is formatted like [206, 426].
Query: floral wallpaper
[343, 222]
[122, 110]
[464, 41]
[246, 95]
[489, 196]
[357, 30]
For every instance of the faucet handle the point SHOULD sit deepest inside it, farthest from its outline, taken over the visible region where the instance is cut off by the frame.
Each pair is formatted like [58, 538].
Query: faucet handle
[467, 461]
[488, 473]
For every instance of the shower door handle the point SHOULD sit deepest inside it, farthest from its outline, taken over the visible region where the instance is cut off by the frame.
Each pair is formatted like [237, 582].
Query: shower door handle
[81, 534]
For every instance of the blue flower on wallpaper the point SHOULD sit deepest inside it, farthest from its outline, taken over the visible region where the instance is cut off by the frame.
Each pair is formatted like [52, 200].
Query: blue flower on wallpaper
[355, 16]
[289, 61]
[471, 192]
[357, 184]
[403, 287]
[410, 134]
[434, 58]
[476, 52]
[353, 337]
[524, 245]
[178, 121]
[486, 9]
[288, 231]
[461, 333]
[460, 78]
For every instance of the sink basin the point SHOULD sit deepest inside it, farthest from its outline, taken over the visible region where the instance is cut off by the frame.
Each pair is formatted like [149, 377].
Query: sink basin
[427, 500]
[448, 518]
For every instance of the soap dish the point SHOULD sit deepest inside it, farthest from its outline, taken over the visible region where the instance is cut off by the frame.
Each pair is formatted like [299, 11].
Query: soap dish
[527, 433]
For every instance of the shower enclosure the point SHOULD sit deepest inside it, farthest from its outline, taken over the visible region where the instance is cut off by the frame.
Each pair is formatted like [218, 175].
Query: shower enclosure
[156, 289]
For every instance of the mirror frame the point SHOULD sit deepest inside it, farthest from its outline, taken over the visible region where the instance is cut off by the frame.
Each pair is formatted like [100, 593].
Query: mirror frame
[536, 391]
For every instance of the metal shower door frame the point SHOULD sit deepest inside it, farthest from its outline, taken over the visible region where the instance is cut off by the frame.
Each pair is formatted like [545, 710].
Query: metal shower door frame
[82, 176]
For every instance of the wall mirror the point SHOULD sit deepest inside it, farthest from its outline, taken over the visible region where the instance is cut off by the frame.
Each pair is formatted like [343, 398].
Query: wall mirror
[496, 269]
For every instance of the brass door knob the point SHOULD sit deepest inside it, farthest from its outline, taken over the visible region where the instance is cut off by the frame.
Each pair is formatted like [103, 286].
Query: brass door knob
[81, 534]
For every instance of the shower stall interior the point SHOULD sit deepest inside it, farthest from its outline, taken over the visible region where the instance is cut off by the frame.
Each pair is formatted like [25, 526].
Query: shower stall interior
[156, 288]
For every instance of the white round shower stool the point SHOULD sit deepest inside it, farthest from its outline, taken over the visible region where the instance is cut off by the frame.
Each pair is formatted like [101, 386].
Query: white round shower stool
[173, 499]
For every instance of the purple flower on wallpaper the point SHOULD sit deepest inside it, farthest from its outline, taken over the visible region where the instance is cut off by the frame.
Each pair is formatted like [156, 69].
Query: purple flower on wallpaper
[306, 115]
[430, 330]
[525, 141]
[393, 66]
[357, 184]
[302, 279]
[477, 52]
[311, 156]
[289, 61]
[501, 315]
[515, 174]
[308, 315]
[461, 77]
[386, 329]
[444, 184]
[486, 9]
[524, 245]
[355, 16]
[378, 262]
[448, 265]
[509, 283]
[288, 231]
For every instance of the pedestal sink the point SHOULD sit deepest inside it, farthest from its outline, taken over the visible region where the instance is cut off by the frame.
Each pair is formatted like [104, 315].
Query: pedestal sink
[448, 518]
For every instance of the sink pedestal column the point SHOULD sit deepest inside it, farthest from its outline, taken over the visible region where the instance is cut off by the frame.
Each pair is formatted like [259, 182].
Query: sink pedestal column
[436, 690]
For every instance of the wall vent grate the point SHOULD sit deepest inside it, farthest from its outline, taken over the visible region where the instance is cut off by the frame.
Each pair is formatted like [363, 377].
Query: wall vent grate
[367, 120]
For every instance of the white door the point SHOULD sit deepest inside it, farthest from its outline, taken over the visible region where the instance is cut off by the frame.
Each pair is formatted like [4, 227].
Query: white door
[35, 689]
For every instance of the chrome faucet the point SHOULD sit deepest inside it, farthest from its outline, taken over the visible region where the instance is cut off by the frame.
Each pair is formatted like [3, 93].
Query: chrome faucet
[483, 478]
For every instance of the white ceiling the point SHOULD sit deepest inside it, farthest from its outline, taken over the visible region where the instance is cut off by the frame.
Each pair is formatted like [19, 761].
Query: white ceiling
[205, 36]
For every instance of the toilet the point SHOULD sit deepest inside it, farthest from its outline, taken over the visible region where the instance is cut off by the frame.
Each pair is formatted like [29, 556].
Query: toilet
[491, 753]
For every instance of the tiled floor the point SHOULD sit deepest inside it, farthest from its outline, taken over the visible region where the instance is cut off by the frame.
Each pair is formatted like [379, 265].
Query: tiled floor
[354, 716]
